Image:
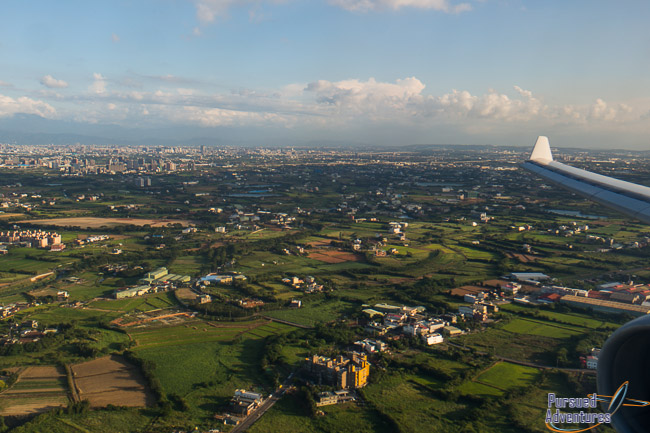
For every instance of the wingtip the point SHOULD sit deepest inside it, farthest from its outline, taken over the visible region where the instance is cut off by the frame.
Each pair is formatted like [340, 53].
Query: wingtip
[542, 150]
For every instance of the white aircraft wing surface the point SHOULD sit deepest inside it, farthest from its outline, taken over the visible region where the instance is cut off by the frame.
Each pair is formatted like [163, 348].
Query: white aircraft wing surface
[626, 197]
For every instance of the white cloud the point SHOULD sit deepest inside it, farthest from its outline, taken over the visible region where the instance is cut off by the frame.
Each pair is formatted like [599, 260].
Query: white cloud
[99, 84]
[600, 110]
[209, 10]
[10, 106]
[5, 84]
[372, 98]
[115, 38]
[352, 104]
[371, 5]
[222, 117]
[53, 83]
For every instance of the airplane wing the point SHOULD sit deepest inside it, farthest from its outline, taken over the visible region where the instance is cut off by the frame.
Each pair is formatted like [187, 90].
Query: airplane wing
[625, 197]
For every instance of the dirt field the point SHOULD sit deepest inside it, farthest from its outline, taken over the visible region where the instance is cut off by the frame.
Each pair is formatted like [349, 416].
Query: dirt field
[523, 258]
[38, 389]
[94, 222]
[11, 215]
[111, 380]
[333, 256]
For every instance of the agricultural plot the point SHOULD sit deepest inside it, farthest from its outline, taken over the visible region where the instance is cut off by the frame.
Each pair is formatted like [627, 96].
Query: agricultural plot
[289, 415]
[198, 331]
[314, 312]
[188, 358]
[94, 222]
[38, 389]
[143, 303]
[412, 405]
[543, 329]
[576, 319]
[186, 265]
[505, 375]
[519, 346]
[333, 256]
[111, 380]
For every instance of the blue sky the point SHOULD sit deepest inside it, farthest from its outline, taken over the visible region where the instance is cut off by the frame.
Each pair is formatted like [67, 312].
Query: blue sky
[371, 71]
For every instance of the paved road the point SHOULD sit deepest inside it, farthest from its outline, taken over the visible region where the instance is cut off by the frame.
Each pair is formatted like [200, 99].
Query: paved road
[268, 404]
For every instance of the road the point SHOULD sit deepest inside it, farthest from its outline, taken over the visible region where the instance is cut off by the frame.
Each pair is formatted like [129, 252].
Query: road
[268, 404]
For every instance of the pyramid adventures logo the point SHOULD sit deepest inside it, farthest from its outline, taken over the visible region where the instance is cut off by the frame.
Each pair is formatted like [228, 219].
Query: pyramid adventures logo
[559, 420]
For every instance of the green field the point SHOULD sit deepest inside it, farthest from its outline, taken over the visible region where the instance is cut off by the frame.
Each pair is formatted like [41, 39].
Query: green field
[543, 329]
[205, 364]
[288, 415]
[314, 312]
[505, 376]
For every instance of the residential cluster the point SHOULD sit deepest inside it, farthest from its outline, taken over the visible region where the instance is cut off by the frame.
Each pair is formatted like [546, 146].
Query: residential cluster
[31, 238]
[307, 284]
[395, 321]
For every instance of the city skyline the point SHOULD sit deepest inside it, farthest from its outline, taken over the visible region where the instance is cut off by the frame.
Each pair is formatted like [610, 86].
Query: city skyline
[387, 72]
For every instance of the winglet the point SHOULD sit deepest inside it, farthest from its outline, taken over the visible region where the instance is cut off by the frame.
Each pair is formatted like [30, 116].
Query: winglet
[542, 151]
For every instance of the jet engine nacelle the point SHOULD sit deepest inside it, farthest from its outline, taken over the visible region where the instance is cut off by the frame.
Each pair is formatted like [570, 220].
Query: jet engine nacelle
[626, 357]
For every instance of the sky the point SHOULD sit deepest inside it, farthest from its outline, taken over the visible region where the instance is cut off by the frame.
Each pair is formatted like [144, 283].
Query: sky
[385, 72]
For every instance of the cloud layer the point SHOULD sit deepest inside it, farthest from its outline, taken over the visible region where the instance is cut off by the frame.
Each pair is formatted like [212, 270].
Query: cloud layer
[207, 11]
[358, 106]
[373, 5]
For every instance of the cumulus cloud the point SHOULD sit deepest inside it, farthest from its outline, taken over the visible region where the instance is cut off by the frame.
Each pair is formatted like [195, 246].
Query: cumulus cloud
[601, 110]
[99, 84]
[10, 106]
[371, 5]
[52, 83]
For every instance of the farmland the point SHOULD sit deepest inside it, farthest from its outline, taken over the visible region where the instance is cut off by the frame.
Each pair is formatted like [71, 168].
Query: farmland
[111, 380]
[37, 389]
[94, 222]
[402, 229]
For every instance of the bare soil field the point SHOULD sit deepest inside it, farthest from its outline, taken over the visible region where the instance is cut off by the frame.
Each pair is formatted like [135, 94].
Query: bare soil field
[333, 256]
[319, 243]
[111, 380]
[38, 389]
[95, 222]
[523, 258]
[11, 215]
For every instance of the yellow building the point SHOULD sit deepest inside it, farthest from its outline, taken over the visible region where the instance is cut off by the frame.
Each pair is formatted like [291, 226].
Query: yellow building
[341, 371]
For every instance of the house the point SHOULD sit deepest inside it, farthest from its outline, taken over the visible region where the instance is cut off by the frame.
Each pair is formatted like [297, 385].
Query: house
[592, 362]
[244, 402]
[371, 346]
[295, 303]
[327, 398]
[451, 331]
[432, 339]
